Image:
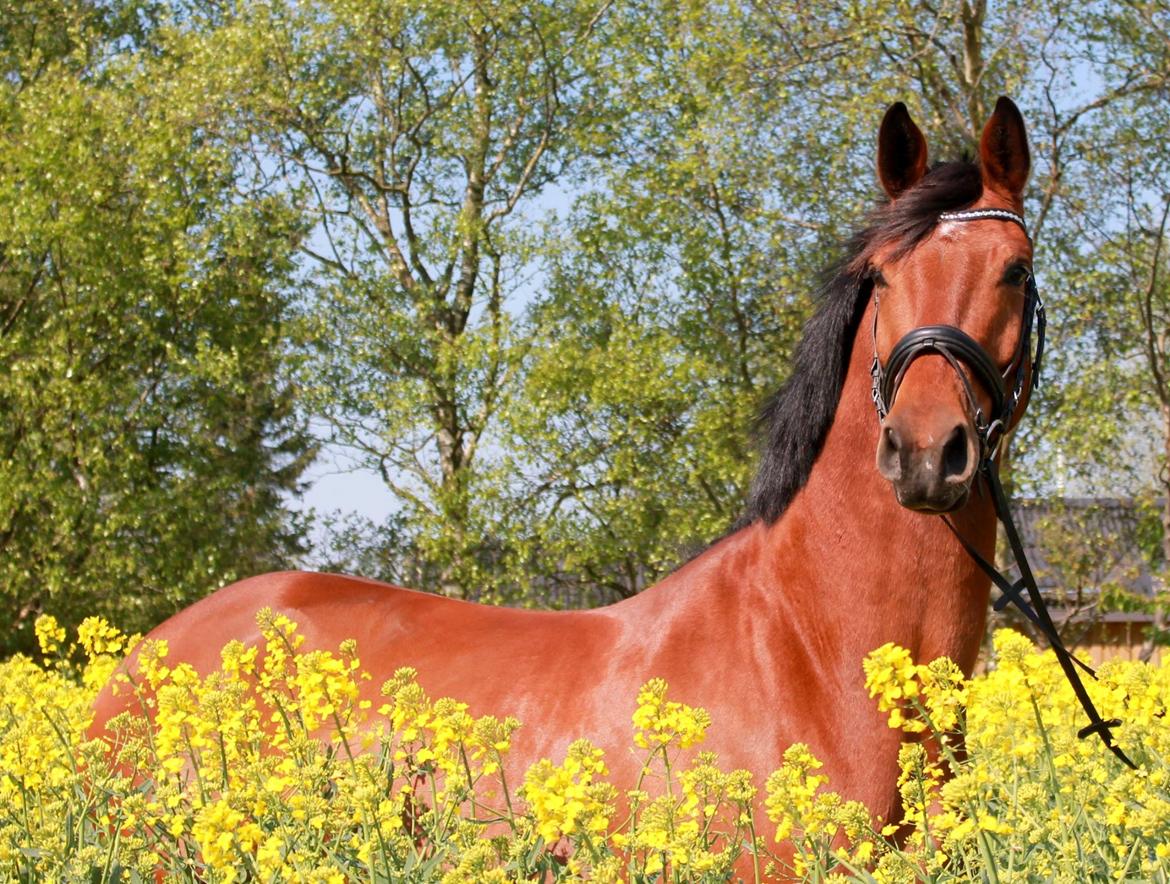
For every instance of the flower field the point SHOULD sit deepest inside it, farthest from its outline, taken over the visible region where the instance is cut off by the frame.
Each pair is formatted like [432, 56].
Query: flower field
[273, 769]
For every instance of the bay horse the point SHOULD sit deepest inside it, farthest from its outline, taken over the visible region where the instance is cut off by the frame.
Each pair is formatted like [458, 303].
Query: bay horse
[835, 555]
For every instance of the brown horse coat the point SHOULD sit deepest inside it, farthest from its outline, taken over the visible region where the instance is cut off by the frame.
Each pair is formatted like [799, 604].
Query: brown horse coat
[768, 627]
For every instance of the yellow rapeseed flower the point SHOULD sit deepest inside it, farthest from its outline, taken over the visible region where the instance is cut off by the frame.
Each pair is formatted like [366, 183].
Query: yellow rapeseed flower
[274, 768]
[659, 722]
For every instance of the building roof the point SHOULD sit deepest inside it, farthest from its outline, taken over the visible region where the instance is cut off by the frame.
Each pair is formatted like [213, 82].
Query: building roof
[1083, 547]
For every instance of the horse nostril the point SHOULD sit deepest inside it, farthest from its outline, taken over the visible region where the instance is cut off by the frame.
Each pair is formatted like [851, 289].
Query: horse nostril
[956, 455]
[889, 461]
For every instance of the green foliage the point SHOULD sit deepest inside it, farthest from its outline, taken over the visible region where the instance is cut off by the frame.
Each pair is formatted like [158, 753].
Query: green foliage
[561, 258]
[547, 261]
[1102, 425]
[677, 296]
[751, 150]
[417, 134]
[147, 437]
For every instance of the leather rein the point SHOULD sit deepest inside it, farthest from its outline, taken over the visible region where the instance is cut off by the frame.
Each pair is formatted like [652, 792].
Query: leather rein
[961, 350]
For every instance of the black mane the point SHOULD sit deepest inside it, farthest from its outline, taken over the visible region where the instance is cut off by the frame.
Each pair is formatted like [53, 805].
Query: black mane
[794, 422]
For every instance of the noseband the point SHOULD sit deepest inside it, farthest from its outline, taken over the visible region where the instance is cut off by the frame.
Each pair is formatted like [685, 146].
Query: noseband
[960, 349]
[965, 355]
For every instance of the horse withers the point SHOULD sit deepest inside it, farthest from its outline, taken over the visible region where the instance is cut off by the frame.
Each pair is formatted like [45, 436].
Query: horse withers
[835, 555]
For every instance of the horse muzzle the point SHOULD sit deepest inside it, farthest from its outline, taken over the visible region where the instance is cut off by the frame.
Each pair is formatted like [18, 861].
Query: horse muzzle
[930, 464]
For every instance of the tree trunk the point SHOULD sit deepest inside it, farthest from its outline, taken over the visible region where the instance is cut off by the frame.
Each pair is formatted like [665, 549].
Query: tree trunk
[1162, 586]
[973, 15]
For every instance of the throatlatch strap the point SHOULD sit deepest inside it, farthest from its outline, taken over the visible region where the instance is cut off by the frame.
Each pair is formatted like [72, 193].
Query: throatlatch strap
[1037, 612]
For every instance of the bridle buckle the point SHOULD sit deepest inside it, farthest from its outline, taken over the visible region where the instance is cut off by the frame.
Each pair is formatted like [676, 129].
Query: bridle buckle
[875, 372]
[992, 438]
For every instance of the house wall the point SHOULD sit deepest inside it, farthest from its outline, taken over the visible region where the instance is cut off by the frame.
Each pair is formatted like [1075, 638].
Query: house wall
[1122, 640]
[1115, 639]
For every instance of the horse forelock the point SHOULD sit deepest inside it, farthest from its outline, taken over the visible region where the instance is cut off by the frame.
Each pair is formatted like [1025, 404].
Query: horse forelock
[794, 421]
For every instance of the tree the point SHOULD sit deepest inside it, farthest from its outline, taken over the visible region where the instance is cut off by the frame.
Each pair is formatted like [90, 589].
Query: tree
[551, 394]
[1103, 429]
[676, 300]
[419, 136]
[672, 312]
[148, 439]
[668, 310]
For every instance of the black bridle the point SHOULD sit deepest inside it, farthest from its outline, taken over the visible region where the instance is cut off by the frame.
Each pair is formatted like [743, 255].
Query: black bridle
[971, 361]
[959, 349]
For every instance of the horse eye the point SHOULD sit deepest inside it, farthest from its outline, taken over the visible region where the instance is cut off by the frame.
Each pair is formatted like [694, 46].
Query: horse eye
[875, 276]
[1017, 274]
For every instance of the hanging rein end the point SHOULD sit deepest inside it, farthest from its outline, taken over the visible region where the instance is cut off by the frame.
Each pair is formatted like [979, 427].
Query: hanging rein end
[1012, 593]
[1101, 727]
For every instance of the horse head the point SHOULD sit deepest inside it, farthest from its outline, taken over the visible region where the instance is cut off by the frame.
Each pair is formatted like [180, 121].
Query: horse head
[953, 315]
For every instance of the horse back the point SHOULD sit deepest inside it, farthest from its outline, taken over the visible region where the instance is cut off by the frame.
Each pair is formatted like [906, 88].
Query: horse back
[533, 665]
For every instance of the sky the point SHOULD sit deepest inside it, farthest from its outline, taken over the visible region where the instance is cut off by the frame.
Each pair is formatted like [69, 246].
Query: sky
[338, 486]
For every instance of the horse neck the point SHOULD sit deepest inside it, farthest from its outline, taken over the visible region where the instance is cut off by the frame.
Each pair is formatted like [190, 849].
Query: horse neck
[890, 574]
[847, 567]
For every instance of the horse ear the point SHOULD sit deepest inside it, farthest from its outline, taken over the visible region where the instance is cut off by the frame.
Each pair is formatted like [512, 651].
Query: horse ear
[1003, 151]
[901, 151]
